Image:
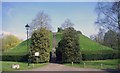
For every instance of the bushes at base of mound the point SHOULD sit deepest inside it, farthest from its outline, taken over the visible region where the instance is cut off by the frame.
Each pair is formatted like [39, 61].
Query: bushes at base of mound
[18, 58]
[68, 49]
[100, 55]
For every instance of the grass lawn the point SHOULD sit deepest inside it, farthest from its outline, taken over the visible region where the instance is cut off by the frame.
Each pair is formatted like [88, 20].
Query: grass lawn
[106, 64]
[6, 65]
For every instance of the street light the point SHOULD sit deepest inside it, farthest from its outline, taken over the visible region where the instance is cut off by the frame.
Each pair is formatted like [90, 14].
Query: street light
[27, 28]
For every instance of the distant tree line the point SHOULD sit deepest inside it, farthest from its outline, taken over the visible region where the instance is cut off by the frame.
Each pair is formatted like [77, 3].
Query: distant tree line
[109, 38]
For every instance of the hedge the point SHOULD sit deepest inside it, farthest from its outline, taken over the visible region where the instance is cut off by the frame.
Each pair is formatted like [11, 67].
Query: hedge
[86, 55]
[18, 58]
[100, 55]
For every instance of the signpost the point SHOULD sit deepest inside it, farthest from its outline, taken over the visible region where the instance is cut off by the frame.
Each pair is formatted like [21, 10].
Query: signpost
[36, 55]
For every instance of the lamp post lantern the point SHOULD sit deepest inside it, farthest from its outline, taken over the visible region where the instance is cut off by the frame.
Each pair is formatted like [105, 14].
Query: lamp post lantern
[27, 28]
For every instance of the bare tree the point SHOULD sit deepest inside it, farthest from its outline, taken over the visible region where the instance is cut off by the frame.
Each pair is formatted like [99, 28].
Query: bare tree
[92, 37]
[110, 39]
[67, 24]
[108, 15]
[41, 20]
[99, 37]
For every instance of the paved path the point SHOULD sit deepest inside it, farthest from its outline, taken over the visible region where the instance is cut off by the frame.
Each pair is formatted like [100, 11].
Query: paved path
[59, 67]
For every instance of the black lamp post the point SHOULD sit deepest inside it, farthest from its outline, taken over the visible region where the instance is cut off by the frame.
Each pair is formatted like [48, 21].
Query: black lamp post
[27, 28]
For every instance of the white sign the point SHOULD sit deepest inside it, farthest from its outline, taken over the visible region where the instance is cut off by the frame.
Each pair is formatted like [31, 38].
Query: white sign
[36, 53]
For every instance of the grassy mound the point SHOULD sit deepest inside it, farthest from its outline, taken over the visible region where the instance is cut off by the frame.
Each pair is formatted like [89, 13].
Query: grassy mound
[21, 49]
[86, 43]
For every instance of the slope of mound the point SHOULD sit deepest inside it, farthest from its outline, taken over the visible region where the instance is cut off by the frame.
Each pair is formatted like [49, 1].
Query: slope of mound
[21, 49]
[86, 43]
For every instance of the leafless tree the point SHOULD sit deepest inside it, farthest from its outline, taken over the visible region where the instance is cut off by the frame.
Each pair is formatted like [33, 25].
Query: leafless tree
[108, 15]
[67, 24]
[99, 37]
[41, 20]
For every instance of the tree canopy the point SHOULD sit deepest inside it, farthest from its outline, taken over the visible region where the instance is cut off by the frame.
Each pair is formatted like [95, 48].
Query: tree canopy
[68, 48]
[111, 39]
[9, 41]
[40, 42]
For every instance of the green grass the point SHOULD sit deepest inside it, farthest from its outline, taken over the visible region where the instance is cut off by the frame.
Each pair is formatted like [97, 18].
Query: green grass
[86, 43]
[106, 64]
[6, 65]
[58, 36]
[20, 49]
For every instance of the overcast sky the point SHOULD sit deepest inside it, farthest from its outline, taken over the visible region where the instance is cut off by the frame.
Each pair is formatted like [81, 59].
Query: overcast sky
[16, 14]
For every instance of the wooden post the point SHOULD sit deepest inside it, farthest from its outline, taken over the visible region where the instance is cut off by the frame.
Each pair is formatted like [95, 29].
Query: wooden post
[101, 65]
[33, 65]
[118, 66]
[72, 63]
[84, 65]
[37, 60]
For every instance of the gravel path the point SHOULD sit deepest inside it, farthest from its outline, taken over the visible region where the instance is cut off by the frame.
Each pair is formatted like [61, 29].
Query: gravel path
[59, 67]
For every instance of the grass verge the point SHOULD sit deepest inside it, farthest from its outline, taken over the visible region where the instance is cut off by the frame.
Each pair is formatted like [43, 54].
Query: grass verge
[97, 64]
[6, 65]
